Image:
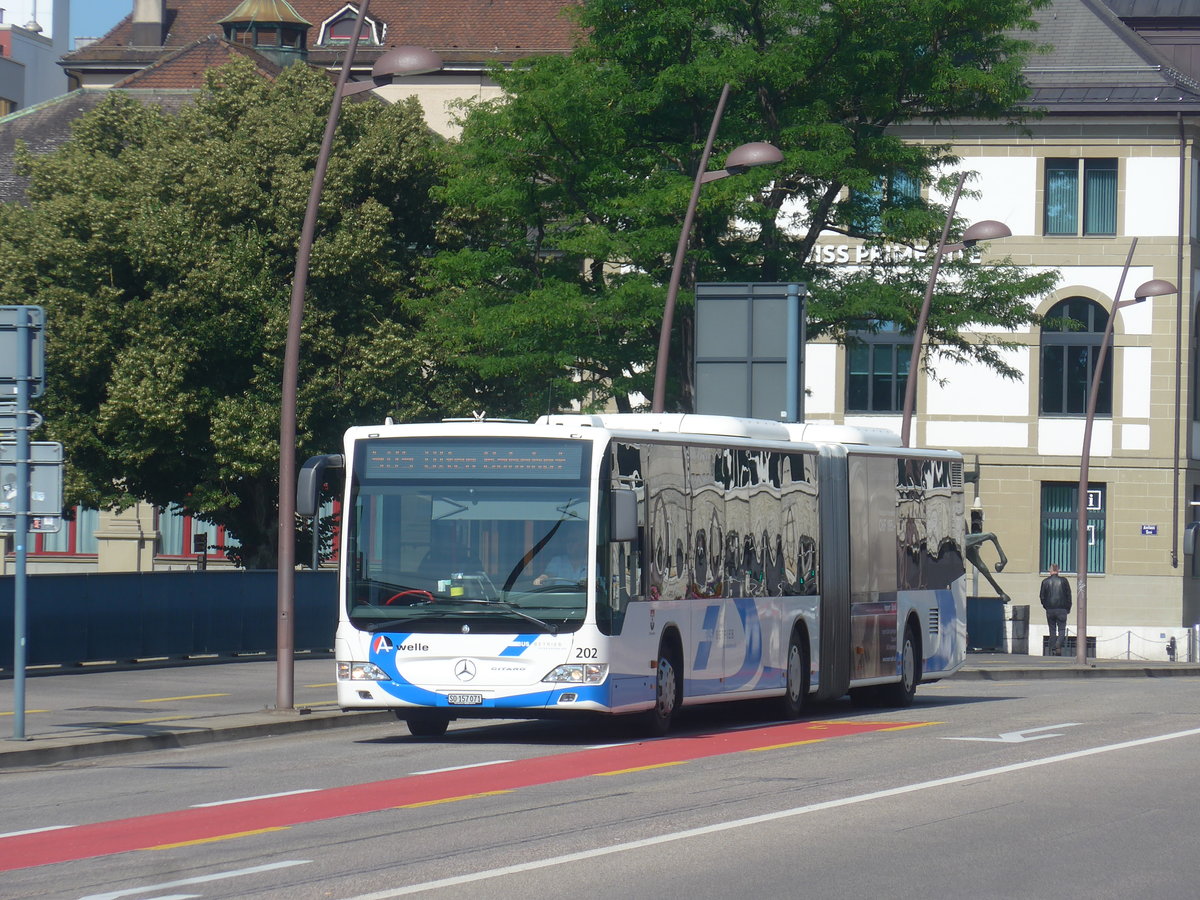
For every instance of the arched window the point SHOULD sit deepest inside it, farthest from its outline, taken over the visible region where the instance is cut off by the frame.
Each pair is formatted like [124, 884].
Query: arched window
[1069, 353]
[877, 358]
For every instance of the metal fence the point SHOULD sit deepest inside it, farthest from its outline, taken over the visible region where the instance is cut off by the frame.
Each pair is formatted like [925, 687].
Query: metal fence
[99, 617]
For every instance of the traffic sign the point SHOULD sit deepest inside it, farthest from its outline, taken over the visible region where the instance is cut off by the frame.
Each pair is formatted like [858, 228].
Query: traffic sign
[45, 482]
[22, 323]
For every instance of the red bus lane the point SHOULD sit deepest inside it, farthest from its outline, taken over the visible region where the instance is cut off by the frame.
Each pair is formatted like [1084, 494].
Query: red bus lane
[206, 824]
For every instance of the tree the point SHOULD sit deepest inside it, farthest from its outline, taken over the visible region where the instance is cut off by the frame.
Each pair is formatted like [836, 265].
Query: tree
[565, 198]
[162, 248]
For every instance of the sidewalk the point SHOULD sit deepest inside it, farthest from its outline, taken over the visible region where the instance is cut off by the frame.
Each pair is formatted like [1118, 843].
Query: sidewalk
[99, 712]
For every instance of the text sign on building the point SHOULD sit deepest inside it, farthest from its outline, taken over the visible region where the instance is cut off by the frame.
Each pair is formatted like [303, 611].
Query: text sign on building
[18, 323]
[742, 349]
[1149, 529]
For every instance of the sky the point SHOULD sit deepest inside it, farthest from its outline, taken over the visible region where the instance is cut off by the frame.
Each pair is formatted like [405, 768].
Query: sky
[94, 18]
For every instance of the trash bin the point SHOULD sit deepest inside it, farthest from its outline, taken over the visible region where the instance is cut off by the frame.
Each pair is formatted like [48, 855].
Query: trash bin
[1020, 630]
[1069, 646]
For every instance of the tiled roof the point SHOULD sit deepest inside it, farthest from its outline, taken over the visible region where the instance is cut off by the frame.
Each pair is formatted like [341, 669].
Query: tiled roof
[184, 69]
[1155, 9]
[502, 30]
[47, 126]
[1099, 64]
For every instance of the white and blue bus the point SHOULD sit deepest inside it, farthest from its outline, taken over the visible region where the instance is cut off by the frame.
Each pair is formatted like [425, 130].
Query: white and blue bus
[634, 564]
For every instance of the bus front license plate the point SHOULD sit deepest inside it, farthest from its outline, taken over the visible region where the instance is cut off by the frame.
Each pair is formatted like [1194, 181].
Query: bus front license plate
[465, 699]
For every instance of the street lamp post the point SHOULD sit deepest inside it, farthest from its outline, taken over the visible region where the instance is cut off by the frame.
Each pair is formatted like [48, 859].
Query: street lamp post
[739, 160]
[398, 61]
[986, 230]
[1154, 288]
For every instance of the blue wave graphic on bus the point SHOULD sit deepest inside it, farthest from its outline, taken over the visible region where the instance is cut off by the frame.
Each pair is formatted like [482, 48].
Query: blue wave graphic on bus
[750, 672]
[520, 644]
[383, 645]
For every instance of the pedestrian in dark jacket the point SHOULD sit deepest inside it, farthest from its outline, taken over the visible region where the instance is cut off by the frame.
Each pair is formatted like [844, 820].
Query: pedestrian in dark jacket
[1056, 600]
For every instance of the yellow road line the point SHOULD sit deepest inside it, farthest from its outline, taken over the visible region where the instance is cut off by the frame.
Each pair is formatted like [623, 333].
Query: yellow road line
[220, 837]
[643, 768]
[187, 697]
[451, 799]
[792, 744]
[326, 684]
[28, 711]
[912, 725]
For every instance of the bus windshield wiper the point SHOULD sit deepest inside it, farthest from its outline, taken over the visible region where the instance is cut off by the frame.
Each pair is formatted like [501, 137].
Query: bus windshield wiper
[508, 607]
[390, 624]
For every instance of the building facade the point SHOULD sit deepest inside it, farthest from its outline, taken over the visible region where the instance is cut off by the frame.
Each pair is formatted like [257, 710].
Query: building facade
[1113, 159]
[469, 35]
[34, 34]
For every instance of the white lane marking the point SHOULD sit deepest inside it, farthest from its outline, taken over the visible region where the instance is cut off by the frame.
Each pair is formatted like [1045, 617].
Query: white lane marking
[490, 762]
[1019, 737]
[33, 831]
[200, 879]
[248, 799]
[767, 817]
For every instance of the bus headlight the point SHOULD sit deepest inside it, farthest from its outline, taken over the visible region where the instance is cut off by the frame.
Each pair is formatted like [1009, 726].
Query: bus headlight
[361, 671]
[579, 673]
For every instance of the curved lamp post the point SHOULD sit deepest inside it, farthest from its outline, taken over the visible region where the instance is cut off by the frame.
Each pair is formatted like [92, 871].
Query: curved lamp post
[1154, 288]
[739, 160]
[398, 61]
[987, 230]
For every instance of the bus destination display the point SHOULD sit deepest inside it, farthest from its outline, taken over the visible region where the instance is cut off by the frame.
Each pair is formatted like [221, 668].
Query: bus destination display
[468, 459]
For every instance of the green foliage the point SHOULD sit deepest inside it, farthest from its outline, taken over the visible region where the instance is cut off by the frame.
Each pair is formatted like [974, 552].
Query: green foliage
[565, 200]
[163, 247]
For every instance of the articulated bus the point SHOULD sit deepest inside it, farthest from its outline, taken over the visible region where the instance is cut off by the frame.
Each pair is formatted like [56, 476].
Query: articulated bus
[635, 564]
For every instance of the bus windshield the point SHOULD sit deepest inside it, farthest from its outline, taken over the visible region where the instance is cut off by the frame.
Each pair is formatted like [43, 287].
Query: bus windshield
[468, 535]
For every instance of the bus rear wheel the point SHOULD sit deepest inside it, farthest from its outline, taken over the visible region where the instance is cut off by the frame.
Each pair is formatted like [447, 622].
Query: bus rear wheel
[901, 693]
[792, 703]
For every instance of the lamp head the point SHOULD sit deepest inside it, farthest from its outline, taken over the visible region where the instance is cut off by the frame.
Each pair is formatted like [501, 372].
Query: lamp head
[406, 60]
[1155, 288]
[757, 153]
[987, 230]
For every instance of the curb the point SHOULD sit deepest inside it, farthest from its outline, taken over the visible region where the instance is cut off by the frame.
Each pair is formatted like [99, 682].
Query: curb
[1001, 674]
[45, 750]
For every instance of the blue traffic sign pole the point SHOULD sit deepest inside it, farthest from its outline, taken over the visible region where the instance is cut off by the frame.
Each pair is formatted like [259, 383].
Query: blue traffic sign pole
[796, 327]
[21, 533]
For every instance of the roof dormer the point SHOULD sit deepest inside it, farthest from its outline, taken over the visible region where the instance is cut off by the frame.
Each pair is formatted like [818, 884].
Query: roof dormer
[272, 27]
[339, 28]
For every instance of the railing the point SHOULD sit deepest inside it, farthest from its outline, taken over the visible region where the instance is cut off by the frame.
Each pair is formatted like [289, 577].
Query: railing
[75, 619]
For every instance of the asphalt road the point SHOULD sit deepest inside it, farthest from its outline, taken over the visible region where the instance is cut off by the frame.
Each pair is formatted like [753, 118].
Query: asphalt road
[1030, 788]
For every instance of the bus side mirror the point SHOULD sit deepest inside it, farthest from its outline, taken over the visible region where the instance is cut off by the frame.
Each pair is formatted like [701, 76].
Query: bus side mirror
[1189, 537]
[623, 524]
[310, 479]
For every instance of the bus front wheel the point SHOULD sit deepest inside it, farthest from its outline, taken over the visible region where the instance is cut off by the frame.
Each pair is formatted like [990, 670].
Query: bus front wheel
[666, 694]
[425, 724]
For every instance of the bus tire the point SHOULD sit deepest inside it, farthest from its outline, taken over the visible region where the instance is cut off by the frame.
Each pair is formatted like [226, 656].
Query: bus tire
[901, 693]
[427, 724]
[795, 697]
[865, 697]
[668, 691]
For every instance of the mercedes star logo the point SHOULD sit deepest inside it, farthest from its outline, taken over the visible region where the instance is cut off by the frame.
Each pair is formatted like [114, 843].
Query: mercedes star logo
[464, 670]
